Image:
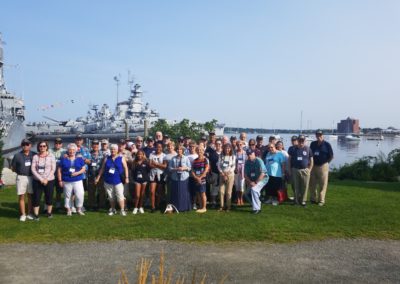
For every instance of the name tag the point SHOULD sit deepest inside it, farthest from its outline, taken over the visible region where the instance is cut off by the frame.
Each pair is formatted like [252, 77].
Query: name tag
[94, 164]
[71, 170]
[180, 172]
[240, 161]
[316, 154]
[27, 163]
[139, 175]
[253, 175]
[41, 170]
[225, 164]
[299, 158]
[111, 171]
[198, 173]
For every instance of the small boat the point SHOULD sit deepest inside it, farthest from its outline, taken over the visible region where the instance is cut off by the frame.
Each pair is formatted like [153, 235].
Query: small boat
[352, 137]
[375, 137]
[333, 137]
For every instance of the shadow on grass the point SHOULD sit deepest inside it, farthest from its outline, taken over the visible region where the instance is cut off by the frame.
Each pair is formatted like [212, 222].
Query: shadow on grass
[382, 186]
[7, 212]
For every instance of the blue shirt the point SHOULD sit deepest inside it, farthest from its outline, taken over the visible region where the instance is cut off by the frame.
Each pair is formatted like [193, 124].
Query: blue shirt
[322, 153]
[113, 169]
[70, 166]
[274, 163]
[85, 154]
[177, 162]
[300, 157]
[253, 169]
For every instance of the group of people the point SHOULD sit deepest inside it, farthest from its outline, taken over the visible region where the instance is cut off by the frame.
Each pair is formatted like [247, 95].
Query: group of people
[160, 173]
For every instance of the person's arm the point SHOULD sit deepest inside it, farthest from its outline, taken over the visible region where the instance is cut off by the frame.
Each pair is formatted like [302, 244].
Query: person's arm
[233, 164]
[330, 153]
[125, 165]
[311, 164]
[33, 168]
[59, 177]
[81, 171]
[100, 171]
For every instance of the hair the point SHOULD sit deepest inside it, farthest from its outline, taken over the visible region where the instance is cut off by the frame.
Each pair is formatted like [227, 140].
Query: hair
[72, 146]
[192, 143]
[139, 137]
[252, 141]
[114, 146]
[225, 149]
[171, 143]
[40, 142]
[178, 147]
[144, 157]
[280, 142]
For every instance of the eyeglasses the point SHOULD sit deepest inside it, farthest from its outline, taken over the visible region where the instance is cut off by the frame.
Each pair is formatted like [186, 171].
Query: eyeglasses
[58, 143]
[252, 144]
[42, 146]
[26, 144]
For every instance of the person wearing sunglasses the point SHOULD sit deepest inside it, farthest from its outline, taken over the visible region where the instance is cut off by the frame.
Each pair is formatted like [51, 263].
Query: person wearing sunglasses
[43, 168]
[21, 165]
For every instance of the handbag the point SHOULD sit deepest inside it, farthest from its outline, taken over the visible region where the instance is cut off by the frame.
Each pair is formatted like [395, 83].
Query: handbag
[282, 195]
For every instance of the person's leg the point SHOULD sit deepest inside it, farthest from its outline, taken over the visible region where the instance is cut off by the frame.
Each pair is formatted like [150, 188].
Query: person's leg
[214, 189]
[324, 175]
[222, 187]
[297, 185]
[313, 184]
[138, 191]
[153, 187]
[255, 194]
[119, 192]
[67, 196]
[142, 194]
[36, 196]
[48, 196]
[79, 195]
[229, 187]
[305, 179]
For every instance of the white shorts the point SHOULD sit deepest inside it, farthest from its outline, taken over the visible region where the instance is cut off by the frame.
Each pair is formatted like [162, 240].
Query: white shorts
[24, 185]
[115, 191]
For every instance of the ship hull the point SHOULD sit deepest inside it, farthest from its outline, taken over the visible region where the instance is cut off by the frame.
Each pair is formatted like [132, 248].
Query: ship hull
[12, 140]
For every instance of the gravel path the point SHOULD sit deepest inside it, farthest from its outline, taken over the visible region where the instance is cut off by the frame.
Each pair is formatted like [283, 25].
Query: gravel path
[354, 261]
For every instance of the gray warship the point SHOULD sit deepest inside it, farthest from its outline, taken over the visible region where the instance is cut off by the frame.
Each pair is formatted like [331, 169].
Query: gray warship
[12, 113]
[129, 116]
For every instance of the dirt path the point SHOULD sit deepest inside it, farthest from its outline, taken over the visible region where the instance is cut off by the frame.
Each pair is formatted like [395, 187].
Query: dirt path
[355, 261]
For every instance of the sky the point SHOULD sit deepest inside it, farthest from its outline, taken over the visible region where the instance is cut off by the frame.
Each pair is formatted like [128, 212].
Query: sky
[244, 63]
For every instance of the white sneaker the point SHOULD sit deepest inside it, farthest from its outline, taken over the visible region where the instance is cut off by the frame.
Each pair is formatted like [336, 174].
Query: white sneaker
[30, 217]
[135, 210]
[123, 212]
[141, 211]
[194, 206]
[83, 209]
[73, 210]
[111, 212]
[275, 203]
[269, 201]
[22, 218]
[81, 213]
[69, 213]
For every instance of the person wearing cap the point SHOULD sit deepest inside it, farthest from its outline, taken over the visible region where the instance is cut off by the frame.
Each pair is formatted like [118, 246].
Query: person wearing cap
[252, 145]
[323, 155]
[43, 168]
[256, 178]
[261, 147]
[96, 192]
[104, 148]
[300, 165]
[122, 151]
[58, 151]
[241, 158]
[21, 165]
[149, 149]
[213, 156]
[211, 139]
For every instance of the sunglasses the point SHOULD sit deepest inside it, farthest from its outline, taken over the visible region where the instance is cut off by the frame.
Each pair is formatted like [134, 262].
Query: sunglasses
[26, 144]
[42, 146]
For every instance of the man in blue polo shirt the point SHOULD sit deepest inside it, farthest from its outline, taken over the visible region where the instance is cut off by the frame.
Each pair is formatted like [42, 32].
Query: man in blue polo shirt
[323, 155]
[300, 165]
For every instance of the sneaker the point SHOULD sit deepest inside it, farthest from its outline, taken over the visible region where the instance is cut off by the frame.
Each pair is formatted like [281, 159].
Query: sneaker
[141, 211]
[194, 206]
[123, 212]
[313, 202]
[22, 218]
[36, 218]
[69, 213]
[49, 215]
[269, 201]
[135, 210]
[83, 209]
[81, 213]
[111, 212]
[73, 210]
[255, 212]
[321, 204]
[204, 210]
[275, 202]
[30, 217]
[303, 204]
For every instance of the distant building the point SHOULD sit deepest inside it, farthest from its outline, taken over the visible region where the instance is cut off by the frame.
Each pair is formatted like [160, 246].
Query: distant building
[349, 125]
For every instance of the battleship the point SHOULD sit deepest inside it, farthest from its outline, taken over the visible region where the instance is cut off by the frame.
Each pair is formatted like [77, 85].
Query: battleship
[12, 113]
[130, 116]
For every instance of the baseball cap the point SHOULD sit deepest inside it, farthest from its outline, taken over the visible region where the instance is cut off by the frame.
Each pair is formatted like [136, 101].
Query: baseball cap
[104, 141]
[211, 132]
[294, 137]
[121, 141]
[78, 136]
[150, 138]
[233, 137]
[25, 141]
[204, 138]
[58, 140]
[260, 137]
[318, 132]
[95, 141]
[301, 137]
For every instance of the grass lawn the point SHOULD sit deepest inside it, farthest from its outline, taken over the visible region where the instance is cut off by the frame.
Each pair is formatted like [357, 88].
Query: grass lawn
[353, 210]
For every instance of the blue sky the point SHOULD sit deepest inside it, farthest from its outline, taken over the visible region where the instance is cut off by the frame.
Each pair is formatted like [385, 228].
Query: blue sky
[245, 63]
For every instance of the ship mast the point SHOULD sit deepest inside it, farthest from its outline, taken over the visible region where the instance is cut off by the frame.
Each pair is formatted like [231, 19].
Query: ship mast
[2, 87]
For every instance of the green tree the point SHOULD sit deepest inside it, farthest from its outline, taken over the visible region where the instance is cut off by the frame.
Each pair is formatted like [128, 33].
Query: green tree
[183, 128]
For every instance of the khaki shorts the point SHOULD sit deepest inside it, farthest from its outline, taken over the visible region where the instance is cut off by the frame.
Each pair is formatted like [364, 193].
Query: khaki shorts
[24, 185]
[115, 192]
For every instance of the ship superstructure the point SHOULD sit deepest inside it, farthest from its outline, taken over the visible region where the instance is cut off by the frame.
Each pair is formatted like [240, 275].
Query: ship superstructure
[12, 113]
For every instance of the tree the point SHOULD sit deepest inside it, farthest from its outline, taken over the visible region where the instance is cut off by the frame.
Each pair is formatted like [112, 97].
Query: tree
[183, 128]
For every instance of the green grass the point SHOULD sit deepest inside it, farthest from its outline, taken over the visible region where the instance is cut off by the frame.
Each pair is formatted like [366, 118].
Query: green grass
[353, 210]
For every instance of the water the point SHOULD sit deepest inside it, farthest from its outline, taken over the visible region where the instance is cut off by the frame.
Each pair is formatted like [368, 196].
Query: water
[345, 151]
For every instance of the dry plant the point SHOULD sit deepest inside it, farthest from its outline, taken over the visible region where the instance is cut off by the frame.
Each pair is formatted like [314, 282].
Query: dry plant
[143, 269]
